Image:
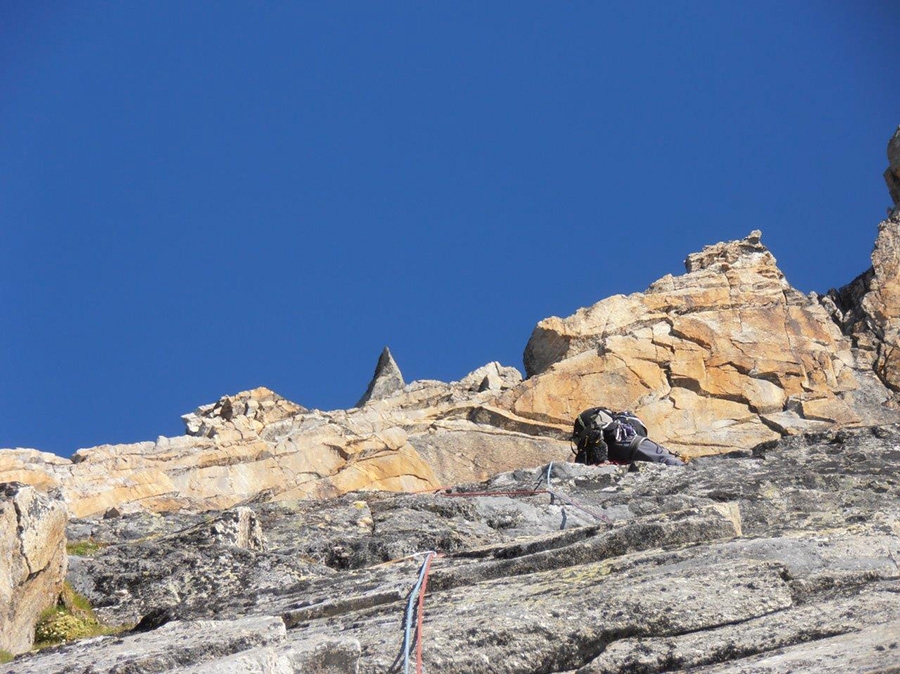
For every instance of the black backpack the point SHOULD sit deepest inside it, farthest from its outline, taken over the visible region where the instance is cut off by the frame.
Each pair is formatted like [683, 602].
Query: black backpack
[598, 427]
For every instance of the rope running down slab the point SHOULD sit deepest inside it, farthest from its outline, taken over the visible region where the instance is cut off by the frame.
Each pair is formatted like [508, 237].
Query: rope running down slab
[416, 601]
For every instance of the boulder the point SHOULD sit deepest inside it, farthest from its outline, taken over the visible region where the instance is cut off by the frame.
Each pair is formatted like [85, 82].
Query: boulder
[32, 561]
[723, 357]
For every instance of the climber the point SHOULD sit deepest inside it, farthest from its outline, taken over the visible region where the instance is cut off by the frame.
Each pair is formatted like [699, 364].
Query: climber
[601, 435]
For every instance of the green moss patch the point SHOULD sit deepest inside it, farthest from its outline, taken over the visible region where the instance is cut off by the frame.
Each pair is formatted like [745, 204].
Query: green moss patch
[72, 618]
[84, 548]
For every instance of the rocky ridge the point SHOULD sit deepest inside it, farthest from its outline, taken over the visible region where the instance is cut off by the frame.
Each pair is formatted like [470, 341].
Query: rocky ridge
[257, 445]
[723, 357]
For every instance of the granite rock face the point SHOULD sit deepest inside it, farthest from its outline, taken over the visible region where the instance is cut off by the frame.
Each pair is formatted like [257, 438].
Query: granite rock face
[724, 357]
[248, 446]
[783, 560]
[32, 561]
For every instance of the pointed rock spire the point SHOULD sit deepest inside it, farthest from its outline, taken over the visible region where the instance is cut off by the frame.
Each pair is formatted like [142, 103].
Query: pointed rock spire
[386, 380]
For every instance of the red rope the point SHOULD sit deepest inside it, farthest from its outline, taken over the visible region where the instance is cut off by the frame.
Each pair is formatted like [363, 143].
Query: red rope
[519, 492]
[421, 615]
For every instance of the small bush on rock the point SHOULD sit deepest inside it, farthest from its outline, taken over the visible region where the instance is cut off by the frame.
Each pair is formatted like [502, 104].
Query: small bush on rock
[72, 618]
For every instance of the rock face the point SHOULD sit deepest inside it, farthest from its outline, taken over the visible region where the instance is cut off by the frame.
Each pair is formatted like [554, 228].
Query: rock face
[780, 560]
[718, 359]
[251, 445]
[32, 561]
[725, 356]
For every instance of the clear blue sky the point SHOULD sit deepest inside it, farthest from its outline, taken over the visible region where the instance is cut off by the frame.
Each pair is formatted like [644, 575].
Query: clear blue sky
[200, 198]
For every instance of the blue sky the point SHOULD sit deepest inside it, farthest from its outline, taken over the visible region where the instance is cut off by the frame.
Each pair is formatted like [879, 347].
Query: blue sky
[200, 198]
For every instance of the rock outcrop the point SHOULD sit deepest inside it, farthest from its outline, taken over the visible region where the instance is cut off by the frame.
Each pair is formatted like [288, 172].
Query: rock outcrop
[32, 561]
[240, 417]
[724, 357]
[782, 560]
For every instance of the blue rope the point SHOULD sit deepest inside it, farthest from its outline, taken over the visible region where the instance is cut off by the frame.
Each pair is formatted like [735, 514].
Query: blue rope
[413, 595]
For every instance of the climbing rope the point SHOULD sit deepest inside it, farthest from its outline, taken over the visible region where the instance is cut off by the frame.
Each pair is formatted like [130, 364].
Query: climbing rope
[421, 613]
[565, 498]
[416, 599]
[416, 602]
[554, 494]
[515, 492]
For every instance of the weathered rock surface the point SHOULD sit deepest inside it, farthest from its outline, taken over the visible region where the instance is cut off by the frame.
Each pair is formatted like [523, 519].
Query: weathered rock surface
[723, 357]
[32, 561]
[240, 417]
[784, 559]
